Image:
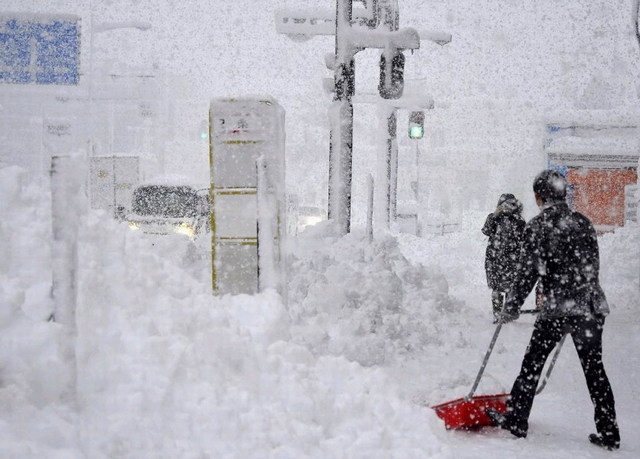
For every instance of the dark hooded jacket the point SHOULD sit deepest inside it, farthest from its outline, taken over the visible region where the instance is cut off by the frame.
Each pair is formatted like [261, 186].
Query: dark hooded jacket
[505, 229]
[560, 251]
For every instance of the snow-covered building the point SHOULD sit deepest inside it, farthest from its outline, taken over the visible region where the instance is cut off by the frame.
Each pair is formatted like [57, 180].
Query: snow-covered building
[64, 92]
[598, 154]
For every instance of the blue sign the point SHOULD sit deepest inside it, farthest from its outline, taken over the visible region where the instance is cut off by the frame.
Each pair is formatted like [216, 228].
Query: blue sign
[39, 49]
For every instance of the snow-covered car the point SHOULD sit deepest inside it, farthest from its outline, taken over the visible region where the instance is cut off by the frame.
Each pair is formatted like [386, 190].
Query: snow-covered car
[169, 208]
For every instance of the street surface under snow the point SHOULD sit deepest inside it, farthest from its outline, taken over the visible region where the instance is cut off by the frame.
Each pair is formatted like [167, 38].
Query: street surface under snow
[373, 333]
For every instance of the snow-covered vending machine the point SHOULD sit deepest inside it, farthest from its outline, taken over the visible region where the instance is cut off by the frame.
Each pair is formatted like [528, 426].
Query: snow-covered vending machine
[247, 194]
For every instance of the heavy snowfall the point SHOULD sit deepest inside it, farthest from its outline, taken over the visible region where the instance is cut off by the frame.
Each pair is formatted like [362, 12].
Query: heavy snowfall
[373, 334]
[368, 333]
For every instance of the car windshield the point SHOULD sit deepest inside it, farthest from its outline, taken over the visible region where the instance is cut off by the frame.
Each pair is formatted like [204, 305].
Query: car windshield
[165, 201]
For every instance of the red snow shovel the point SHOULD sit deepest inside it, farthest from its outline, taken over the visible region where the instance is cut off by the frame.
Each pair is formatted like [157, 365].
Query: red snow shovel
[471, 411]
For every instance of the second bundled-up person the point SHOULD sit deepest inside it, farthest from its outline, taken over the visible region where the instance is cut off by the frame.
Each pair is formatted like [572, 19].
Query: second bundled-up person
[505, 228]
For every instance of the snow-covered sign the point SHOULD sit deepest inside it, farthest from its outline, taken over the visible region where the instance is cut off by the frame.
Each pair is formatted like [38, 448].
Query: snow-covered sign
[599, 161]
[238, 126]
[305, 23]
[248, 210]
[600, 146]
[40, 49]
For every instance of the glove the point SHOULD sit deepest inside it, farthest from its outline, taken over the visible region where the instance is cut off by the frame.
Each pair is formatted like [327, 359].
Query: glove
[508, 316]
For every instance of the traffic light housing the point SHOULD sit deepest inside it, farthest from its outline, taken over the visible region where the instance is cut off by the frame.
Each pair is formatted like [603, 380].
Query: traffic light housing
[416, 125]
[391, 82]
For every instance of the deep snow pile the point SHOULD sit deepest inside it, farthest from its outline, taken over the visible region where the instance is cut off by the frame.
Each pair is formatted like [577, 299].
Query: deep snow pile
[35, 374]
[371, 333]
[365, 300]
[165, 370]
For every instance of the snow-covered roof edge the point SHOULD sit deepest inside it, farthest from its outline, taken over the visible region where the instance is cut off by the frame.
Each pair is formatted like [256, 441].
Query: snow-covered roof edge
[252, 98]
[622, 116]
[39, 16]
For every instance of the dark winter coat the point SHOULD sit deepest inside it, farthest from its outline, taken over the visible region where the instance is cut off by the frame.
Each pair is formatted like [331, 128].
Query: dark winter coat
[560, 251]
[505, 228]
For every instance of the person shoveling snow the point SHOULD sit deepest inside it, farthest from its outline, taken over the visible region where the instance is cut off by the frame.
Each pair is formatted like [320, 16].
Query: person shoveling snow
[560, 252]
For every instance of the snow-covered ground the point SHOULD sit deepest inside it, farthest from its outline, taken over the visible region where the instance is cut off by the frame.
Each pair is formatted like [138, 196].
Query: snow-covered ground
[373, 333]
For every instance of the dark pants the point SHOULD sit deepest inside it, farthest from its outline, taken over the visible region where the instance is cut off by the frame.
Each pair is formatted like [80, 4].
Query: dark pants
[587, 338]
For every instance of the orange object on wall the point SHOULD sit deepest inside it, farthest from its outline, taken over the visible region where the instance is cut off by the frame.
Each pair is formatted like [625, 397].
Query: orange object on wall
[599, 193]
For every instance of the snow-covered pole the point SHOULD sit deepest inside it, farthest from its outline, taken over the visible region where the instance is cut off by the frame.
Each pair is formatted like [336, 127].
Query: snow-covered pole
[636, 13]
[341, 147]
[370, 192]
[391, 86]
[392, 148]
[386, 176]
[68, 201]
[67, 194]
[267, 271]
[636, 31]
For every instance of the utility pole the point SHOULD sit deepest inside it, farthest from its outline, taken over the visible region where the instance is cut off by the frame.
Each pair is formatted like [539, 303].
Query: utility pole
[341, 119]
[390, 86]
[636, 31]
[376, 28]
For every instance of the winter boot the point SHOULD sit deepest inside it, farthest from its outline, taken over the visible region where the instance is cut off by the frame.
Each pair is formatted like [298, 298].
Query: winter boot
[500, 420]
[605, 443]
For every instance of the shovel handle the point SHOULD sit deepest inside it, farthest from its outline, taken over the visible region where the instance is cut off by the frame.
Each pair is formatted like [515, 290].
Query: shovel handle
[544, 381]
[493, 342]
[484, 362]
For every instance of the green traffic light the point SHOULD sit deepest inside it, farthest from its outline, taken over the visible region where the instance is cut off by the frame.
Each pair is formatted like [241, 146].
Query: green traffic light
[416, 132]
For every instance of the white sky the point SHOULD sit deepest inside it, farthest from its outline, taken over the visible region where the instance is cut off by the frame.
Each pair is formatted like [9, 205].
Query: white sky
[536, 58]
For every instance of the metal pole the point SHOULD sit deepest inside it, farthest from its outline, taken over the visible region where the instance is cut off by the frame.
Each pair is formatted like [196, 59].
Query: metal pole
[91, 142]
[544, 381]
[392, 161]
[341, 116]
[416, 191]
[267, 271]
[385, 175]
[370, 190]
[115, 184]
